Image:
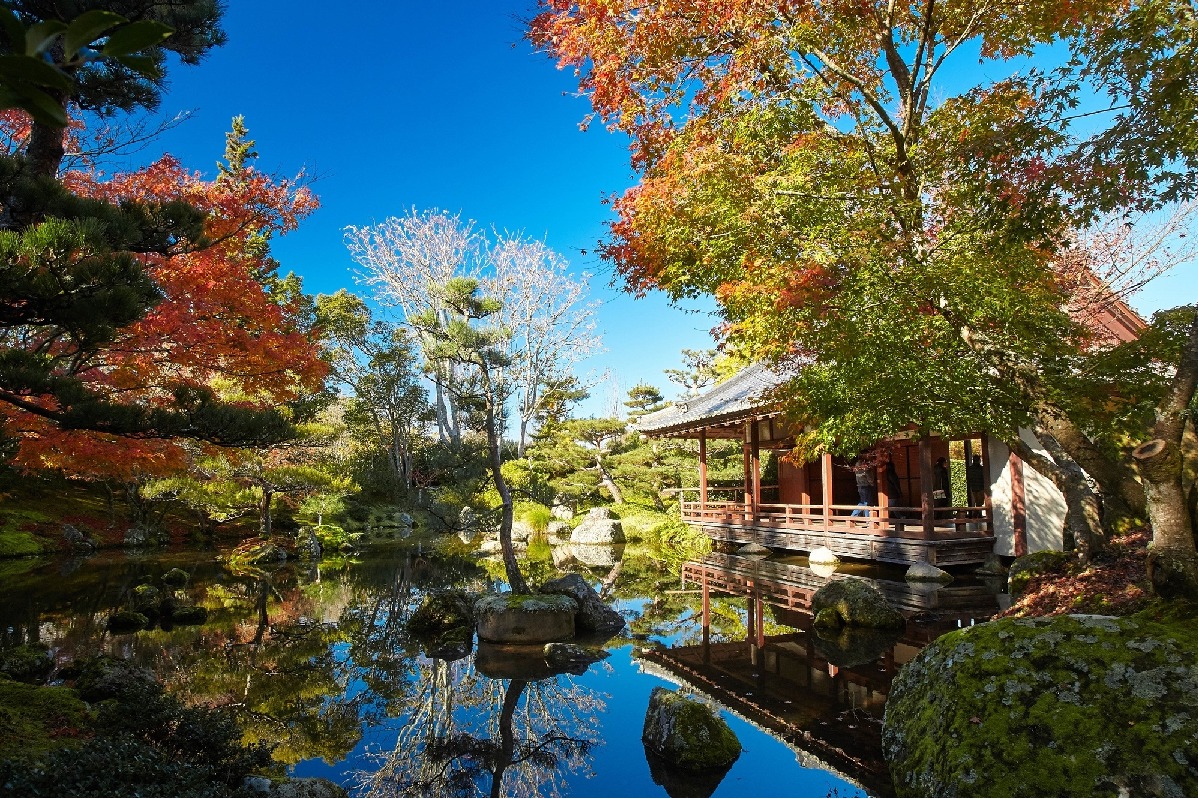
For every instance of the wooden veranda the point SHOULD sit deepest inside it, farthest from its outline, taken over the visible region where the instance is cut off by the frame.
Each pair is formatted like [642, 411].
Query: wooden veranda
[818, 504]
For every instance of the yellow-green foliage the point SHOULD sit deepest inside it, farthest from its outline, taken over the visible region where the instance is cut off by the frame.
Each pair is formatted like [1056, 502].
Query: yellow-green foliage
[673, 542]
[638, 520]
[535, 515]
[16, 544]
[32, 718]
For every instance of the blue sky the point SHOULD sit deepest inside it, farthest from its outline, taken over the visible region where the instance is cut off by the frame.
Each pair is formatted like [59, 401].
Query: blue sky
[398, 105]
[392, 106]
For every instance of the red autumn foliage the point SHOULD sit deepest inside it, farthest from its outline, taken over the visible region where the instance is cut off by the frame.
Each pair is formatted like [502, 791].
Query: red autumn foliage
[219, 323]
[1114, 584]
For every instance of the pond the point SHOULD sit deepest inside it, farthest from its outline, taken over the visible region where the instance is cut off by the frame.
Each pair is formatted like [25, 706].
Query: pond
[316, 660]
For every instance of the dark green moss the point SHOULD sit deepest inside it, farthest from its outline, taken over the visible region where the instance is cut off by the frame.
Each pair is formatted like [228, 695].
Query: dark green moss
[1073, 705]
[188, 614]
[175, 578]
[29, 663]
[18, 544]
[857, 603]
[35, 720]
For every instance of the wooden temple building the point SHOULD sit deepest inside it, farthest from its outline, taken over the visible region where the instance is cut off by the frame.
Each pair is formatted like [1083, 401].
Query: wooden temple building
[817, 504]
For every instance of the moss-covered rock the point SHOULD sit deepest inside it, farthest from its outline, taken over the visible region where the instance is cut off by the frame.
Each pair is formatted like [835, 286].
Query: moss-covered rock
[188, 614]
[104, 677]
[127, 621]
[29, 663]
[1065, 706]
[828, 619]
[857, 603]
[441, 611]
[850, 646]
[687, 733]
[525, 618]
[175, 578]
[145, 599]
[1028, 566]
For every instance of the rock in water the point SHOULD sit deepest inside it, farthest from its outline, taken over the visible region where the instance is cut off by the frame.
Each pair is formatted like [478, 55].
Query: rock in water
[1064, 706]
[593, 615]
[923, 572]
[598, 528]
[753, 549]
[571, 657]
[687, 733]
[525, 618]
[857, 603]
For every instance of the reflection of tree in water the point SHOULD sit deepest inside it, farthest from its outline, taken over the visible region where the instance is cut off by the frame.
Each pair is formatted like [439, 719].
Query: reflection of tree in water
[468, 735]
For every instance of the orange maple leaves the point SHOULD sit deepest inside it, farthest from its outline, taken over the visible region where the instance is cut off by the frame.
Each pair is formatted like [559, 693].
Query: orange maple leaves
[225, 322]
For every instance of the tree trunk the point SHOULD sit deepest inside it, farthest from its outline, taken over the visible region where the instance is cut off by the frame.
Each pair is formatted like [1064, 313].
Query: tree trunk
[264, 512]
[1123, 500]
[1172, 557]
[514, 577]
[507, 743]
[607, 482]
[1083, 516]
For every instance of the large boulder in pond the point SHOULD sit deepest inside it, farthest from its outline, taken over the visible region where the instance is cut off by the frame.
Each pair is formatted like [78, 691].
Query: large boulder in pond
[687, 733]
[855, 603]
[598, 527]
[509, 618]
[1063, 706]
[593, 616]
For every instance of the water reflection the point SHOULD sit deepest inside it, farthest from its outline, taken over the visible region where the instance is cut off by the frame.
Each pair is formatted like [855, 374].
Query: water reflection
[467, 734]
[316, 659]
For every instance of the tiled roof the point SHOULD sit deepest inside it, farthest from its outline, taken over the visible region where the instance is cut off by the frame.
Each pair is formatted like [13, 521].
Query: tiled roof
[733, 398]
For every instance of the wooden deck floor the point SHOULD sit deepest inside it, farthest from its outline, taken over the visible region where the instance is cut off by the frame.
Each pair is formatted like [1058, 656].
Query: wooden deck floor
[886, 535]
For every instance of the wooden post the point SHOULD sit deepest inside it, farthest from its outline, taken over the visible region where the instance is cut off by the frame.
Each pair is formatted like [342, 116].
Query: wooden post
[883, 497]
[826, 468]
[760, 621]
[1018, 505]
[986, 482]
[703, 469]
[926, 485]
[804, 486]
[748, 466]
[751, 615]
[755, 463]
[706, 602]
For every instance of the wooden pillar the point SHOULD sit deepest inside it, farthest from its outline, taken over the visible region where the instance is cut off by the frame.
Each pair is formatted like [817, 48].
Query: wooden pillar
[1018, 505]
[826, 470]
[883, 496]
[755, 463]
[804, 485]
[927, 484]
[748, 468]
[706, 603]
[751, 615]
[760, 622]
[986, 477]
[703, 468]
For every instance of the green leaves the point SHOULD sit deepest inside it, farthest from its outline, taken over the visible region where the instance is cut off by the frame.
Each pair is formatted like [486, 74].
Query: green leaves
[37, 80]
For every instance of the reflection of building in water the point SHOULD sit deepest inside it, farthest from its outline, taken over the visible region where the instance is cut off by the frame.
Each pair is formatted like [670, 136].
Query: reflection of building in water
[822, 693]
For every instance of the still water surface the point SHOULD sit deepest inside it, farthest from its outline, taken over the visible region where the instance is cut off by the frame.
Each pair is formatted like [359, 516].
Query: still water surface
[316, 661]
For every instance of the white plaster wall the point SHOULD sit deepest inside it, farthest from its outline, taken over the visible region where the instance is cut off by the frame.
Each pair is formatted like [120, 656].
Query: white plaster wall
[1045, 505]
[1000, 498]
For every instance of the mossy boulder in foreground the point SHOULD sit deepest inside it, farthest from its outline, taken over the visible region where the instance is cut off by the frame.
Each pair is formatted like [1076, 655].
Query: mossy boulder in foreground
[856, 604]
[1064, 706]
[525, 618]
[687, 733]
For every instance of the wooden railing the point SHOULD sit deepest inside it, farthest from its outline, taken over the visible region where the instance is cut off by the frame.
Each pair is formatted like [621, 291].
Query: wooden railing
[902, 522]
